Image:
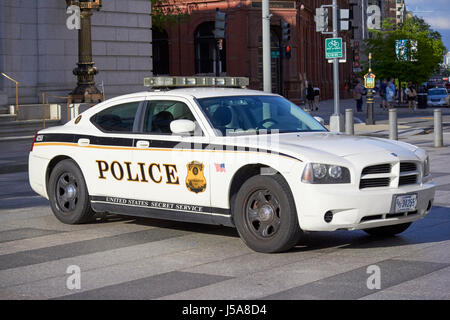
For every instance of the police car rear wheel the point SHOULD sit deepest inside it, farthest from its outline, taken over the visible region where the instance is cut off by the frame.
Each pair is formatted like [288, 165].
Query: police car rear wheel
[265, 214]
[388, 231]
[68, 194]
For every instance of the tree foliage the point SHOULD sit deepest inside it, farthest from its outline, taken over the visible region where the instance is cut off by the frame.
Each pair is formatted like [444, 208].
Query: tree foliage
[420, 65]
[167, 12]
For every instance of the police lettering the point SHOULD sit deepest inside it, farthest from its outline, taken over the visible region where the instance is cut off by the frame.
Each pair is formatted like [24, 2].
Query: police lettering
[141, 172]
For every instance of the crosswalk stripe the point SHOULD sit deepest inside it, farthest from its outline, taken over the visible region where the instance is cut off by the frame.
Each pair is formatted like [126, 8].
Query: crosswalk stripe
[118, 266]
[92, 233]
[74, 249]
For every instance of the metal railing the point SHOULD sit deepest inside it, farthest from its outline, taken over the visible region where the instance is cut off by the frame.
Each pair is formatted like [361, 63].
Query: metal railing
[17, 89]
[46, 95]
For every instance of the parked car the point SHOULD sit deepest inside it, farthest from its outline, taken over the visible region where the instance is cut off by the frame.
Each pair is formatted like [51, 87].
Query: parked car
[438, 97]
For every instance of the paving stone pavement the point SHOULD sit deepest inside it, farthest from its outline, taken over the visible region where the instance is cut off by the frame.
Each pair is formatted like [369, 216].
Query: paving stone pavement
[126, 258]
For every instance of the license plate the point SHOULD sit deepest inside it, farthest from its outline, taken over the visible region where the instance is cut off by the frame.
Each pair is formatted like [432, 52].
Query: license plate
[406, 203]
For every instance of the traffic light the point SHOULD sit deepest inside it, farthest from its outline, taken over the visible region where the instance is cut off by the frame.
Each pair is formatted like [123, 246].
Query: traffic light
[286, 51]
[321, 19]
[352, 25]
[355, 51]
[220, 24]
[285, 31]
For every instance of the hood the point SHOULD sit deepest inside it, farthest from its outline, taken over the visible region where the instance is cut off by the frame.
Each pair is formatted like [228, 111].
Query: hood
[344, 145]
[312, 144]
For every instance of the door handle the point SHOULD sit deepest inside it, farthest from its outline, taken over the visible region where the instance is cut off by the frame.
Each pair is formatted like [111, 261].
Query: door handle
[83, 142]
[142, 144]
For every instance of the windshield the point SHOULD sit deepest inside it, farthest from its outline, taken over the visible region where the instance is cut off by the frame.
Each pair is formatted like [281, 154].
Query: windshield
[233, 115]
[437, 92]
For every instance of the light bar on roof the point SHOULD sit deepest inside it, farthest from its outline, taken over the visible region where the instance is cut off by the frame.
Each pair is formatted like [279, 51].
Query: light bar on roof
[167, 82]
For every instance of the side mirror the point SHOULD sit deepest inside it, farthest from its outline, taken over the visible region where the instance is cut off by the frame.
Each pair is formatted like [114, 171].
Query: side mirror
[320, 120]
[182, 126]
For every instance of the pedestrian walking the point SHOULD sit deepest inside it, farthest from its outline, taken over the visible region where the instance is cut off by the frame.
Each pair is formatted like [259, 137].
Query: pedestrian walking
[411, 95]
[316, 98]
[390, 94]
[310, 96]
[383, 86]
[392, 82]
[357, 95]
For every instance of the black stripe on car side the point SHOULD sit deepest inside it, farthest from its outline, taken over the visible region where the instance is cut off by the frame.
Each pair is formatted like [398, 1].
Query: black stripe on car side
[166, 144]
[102, 141]
[161, 204]
[162, 210]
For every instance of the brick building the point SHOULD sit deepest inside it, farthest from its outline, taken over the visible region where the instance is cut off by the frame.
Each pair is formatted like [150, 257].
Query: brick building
[189, 48]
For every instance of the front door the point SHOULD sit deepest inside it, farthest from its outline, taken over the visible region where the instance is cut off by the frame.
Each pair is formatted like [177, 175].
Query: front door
[173, 170]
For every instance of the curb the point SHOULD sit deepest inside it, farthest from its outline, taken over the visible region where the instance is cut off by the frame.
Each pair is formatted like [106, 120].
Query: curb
[14, 168]
[384, 133]
[16, 138]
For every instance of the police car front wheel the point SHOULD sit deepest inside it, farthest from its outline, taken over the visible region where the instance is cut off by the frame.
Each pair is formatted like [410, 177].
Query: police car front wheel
[68, 195]
[265, 214]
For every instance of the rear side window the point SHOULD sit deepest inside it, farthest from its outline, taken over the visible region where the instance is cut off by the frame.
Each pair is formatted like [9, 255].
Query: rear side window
[117, 118]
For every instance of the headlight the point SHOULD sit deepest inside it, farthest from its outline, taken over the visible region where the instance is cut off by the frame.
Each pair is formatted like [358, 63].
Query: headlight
[318, 173]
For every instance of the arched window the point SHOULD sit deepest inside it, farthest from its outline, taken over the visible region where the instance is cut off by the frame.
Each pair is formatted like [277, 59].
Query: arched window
[160, 48]
[206, 50]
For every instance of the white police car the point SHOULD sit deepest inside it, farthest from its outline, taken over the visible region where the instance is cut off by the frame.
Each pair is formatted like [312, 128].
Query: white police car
[227, 156]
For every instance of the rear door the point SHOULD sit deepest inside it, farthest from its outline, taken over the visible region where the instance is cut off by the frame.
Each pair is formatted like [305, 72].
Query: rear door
[107, 156]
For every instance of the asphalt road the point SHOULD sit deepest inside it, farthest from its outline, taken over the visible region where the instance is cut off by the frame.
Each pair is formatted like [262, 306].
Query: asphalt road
[126, 258]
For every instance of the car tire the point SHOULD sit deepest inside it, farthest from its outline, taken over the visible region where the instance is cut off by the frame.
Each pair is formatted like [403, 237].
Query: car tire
[68, 194]
[388, 231]
[265, 215]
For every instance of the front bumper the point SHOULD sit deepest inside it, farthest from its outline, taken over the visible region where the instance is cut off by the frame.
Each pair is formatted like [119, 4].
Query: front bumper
[437, 103]
[358, 209]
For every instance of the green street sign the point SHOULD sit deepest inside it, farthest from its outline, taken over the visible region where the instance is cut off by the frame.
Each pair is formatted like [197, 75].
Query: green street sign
[333, 48]
[275, 54]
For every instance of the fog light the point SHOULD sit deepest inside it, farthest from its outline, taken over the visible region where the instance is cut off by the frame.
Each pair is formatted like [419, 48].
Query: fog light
[328, 216]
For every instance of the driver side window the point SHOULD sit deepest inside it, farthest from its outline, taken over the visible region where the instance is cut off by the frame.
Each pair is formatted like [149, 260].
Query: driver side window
[160, 114]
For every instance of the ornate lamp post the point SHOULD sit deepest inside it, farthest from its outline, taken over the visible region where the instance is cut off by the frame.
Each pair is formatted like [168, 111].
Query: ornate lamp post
[86, 91]
[369, 83]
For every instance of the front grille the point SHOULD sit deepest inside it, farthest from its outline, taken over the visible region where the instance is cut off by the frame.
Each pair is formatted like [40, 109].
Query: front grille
[408, 175]
[388, 216]
[410, 178]
[374, 183]
[380, 168]
[370, 218]
[407, 180]
[395, 215]
[407, 166]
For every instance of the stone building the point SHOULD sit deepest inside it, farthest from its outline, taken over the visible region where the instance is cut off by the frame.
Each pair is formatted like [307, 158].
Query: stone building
[39, 51]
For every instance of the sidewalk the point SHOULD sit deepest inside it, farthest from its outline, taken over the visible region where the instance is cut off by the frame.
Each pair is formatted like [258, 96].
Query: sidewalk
[381, 128]
[326, 108]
